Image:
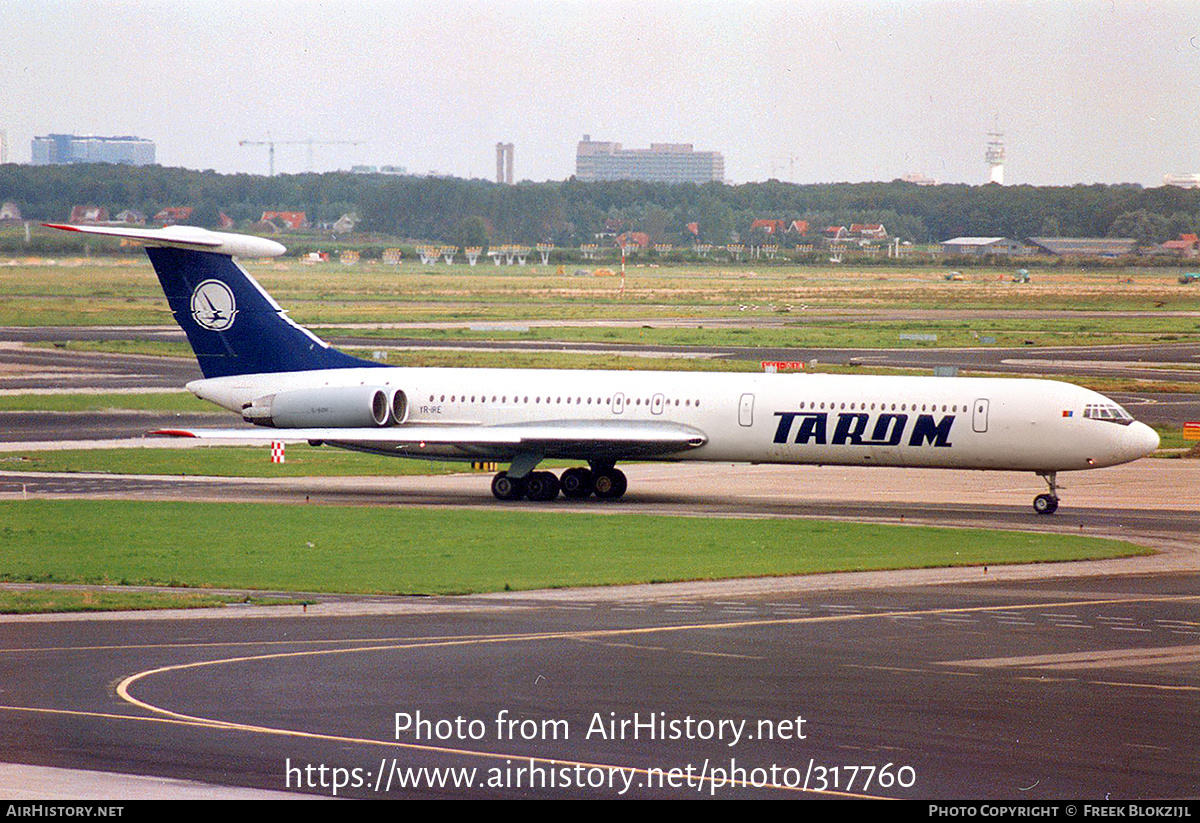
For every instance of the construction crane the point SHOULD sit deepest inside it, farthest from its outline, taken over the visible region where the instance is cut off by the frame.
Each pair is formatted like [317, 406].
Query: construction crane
[310, 142]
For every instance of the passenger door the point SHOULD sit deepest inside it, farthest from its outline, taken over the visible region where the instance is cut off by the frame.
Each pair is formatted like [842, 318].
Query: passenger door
[980, 418]
[746, 410]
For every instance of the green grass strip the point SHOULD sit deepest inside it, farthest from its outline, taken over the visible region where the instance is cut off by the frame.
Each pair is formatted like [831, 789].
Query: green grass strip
[448, 551]
[224, 461]
[133, 401]
[44, 601]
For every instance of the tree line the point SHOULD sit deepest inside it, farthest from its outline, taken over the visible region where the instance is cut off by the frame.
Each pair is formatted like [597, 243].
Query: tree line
[571, 212]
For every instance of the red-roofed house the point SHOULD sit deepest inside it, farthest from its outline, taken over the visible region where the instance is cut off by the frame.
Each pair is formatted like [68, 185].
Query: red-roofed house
[173, 214]
[1188, 245]
[88, 214]
[634, 238]
[294, 220]
[768, 226]
[798, 227]
[869, 231]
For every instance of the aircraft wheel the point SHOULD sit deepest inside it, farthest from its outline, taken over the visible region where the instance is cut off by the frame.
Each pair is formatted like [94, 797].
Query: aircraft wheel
[577, 483]
[1045, 504]
[508, 488]
[610, 484]
[542, 487]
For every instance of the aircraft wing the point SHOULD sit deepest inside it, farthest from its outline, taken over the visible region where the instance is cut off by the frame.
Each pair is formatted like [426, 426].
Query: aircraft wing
[567, 439]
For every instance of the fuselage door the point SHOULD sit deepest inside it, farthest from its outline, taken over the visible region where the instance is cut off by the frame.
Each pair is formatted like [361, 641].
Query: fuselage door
[618, 403]
[656, 404]
[746, 410]
[979, 420]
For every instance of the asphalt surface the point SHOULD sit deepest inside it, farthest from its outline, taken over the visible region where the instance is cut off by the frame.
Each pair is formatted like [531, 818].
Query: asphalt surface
[1083, 688]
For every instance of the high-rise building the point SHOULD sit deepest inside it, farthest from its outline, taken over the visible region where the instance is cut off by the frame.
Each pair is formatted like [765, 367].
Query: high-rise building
[661, 163]
[504, 163]
[59, 149]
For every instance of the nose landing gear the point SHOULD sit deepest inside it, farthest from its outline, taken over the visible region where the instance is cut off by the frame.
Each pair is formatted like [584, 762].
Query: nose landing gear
[1047, 503]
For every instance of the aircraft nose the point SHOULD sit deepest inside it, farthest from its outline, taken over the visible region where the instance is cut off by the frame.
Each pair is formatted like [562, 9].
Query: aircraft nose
[1141, 440]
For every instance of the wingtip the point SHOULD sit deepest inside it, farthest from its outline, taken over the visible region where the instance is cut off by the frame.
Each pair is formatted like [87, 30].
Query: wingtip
[172, 433]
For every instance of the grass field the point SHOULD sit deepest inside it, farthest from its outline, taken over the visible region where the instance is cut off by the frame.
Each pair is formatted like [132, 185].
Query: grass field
[180, 401]
[446, 551]
[59, 600]
[125, 291]
[833, 333]
[461, 358]
[224, 461]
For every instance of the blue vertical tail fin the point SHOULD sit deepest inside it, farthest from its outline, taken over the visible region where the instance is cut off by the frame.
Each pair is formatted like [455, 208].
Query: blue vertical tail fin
[232, 324]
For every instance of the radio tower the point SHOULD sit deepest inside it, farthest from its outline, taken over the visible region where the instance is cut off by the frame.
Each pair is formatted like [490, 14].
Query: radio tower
[995, 154]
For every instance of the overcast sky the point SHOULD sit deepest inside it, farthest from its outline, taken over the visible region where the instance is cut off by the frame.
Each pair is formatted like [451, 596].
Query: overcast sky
[1086, 91]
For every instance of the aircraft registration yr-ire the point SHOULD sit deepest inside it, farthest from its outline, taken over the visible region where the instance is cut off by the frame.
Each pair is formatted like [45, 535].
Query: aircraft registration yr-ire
[259, 363]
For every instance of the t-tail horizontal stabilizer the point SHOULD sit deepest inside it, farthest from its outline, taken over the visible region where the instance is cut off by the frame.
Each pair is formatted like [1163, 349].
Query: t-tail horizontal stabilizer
[187, 237]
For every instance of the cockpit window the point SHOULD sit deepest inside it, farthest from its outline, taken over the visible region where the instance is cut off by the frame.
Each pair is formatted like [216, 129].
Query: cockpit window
[1107, 411]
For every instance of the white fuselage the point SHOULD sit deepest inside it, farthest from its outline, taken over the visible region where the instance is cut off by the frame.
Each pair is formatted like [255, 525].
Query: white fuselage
[964, 423]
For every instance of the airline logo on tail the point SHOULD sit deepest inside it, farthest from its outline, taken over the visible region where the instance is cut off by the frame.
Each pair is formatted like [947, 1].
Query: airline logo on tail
[213, 306]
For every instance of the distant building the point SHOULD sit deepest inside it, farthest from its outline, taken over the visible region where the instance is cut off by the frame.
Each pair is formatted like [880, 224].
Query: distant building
[637, 239]
[1188, 245]
[9, 211]
[868, 231]
[661, 163]
[768, 226]
[60, 149]
[131, 217]
[504, 163]
[919, 179]
[1183, 181]
[1084, 246]
[344, 224]
[293, 220]
[378, 170]
[980, 246]
[88, 214]
[172, 215]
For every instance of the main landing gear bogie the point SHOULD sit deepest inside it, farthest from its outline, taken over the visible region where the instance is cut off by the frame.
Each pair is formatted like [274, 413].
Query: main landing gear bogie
[575, 484]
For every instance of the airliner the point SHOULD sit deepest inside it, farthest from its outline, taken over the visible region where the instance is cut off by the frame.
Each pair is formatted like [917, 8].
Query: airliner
[295, 387]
